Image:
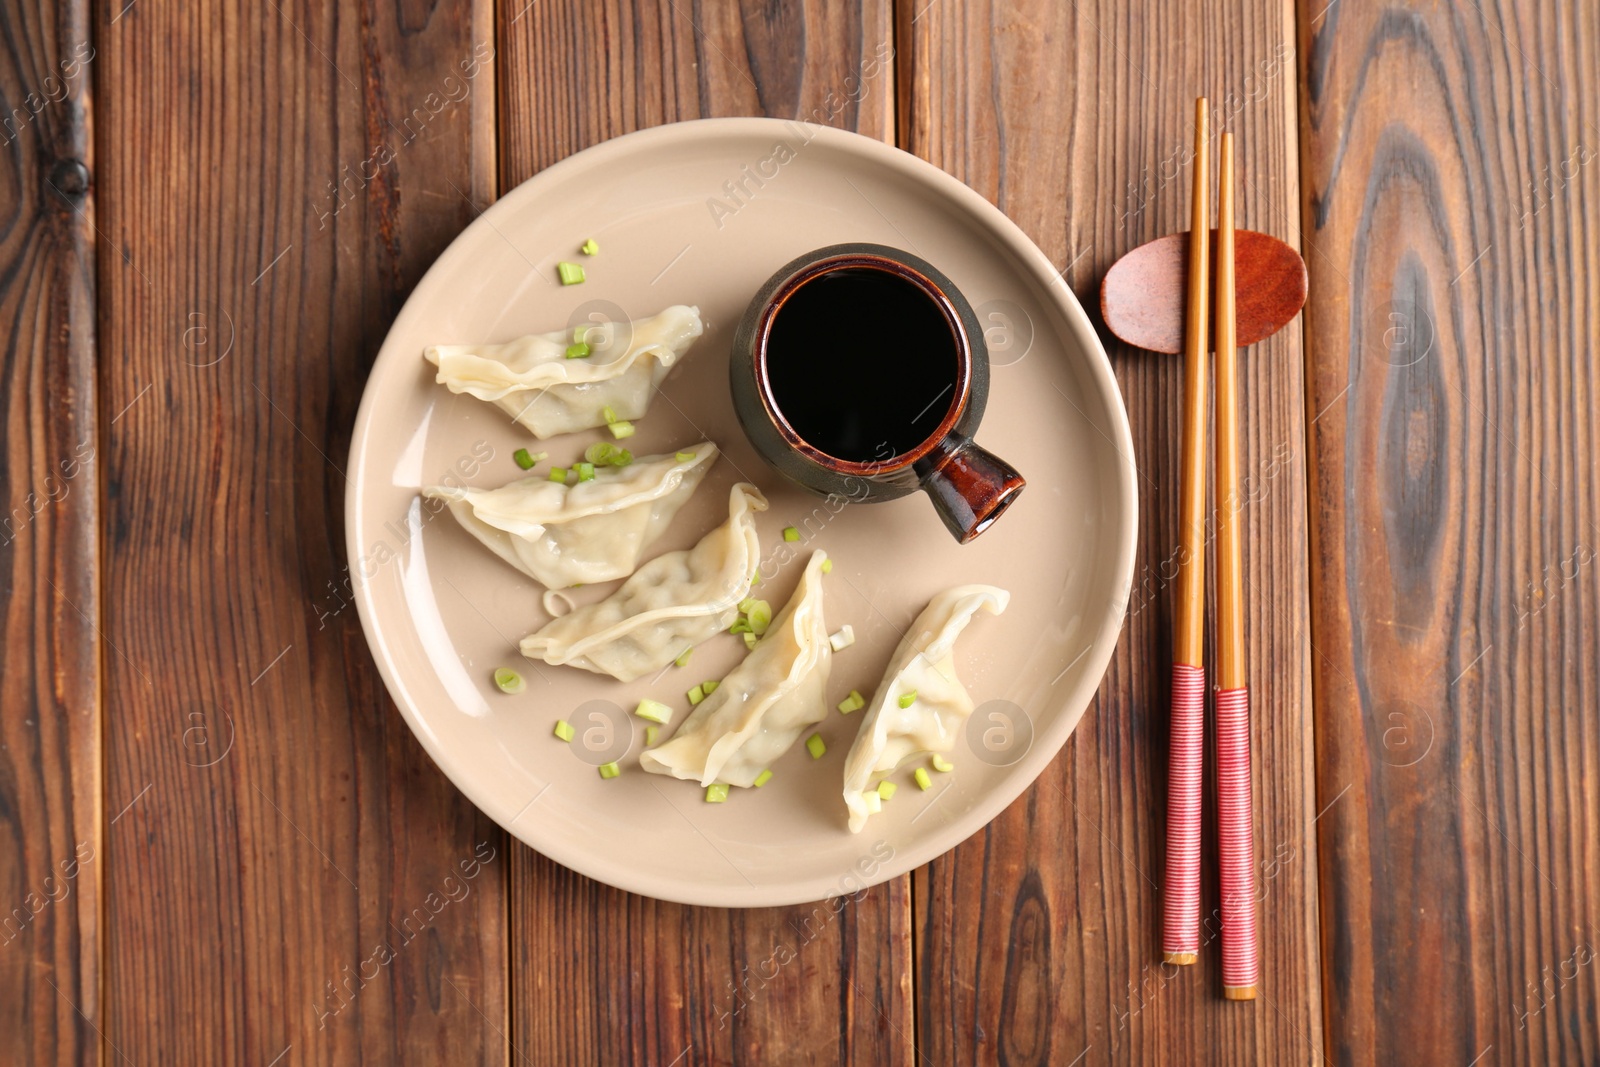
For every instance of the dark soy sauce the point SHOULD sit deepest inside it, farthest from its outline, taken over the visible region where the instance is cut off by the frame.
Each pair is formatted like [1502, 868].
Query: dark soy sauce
[862, 364]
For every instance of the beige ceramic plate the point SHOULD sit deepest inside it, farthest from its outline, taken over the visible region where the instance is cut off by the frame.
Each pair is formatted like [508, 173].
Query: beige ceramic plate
[701, 213]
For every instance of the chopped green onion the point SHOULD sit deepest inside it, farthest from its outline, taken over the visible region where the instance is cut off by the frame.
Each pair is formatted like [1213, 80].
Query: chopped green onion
[908, 699]
[886, 789]
[827, 566]
[572, 476]
[923, 781]
[763, 778]
[854, 702]
[746, 604]
[741, 625]
[606, 454]
[619, 430]
[564, 730]
[816, 746]
[508, 680]
[653, 710]
[558, 474]
[942, 764]
[524, 458]
[755, 579]
[760, 615]
[685, 457]
[571, 273]
[874, 803]
[608, 414]
[590, 247]
[650, 733]
[750, 641]
[585, 471]
[716, 792]
[610, 770]
[709, 687]
[683, 657]
[696, 695]
[578, 350]
[843, 639]
[791, 534]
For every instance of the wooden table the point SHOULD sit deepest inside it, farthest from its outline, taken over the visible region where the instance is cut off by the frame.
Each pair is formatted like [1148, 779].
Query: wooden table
[213, 814]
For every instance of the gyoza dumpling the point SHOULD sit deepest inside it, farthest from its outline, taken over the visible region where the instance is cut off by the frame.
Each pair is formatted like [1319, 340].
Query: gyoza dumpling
[922, 664]
[676, 600]
[533, 380]
[763, 704]
[594, 531]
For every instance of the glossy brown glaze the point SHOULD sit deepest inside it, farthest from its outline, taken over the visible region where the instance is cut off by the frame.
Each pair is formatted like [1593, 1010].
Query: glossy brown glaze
[933, 291]
[969, 487]
[1141, 297]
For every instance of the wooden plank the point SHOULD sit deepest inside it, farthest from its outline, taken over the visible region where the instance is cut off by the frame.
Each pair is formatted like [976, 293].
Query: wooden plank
[1453, 342]
[52, 862]
[292, 880]
[601, 976]
[1076, 120]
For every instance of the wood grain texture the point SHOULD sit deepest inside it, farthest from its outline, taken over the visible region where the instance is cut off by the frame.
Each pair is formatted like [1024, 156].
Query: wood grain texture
[1454, 257]
[1037, 941]
[575, 75]
[291, 880]
[271, 871]
[51, 861]
[601, 976]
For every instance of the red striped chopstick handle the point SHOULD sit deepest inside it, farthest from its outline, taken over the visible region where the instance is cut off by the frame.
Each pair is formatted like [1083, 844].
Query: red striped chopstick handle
[1240, 964]
[1180, 897]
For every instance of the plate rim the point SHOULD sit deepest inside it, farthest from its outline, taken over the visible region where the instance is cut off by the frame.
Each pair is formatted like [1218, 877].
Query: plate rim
[1047, 745]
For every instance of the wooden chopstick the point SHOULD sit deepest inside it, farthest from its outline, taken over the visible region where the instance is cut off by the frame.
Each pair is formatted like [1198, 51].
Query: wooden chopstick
[1180, 898]
[1240, 965]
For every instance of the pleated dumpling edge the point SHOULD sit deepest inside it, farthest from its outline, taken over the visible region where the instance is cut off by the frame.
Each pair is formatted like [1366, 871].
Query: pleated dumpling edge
[672, 603]
[923, 670]
[761, 707]
[592, 531]
[534, 381]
